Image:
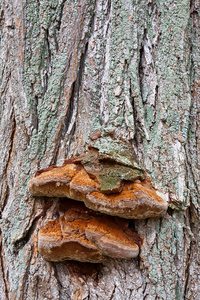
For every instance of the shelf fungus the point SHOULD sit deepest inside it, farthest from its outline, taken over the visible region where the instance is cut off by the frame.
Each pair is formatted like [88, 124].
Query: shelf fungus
[86, 236]
[115, 187]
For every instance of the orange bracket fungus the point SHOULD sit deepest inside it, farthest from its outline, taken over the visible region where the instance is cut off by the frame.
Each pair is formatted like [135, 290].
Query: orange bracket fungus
[109, 183]
[86, 236]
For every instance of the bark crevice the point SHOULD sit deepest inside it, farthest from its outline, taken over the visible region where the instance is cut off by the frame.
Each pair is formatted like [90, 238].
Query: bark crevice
[3, 267]
[69, 121]
[20, 243]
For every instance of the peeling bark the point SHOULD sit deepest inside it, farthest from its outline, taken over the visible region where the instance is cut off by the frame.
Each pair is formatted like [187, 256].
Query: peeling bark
[69, 68]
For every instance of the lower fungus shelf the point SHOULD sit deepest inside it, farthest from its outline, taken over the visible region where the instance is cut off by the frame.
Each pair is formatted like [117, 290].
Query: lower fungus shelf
[83, 235]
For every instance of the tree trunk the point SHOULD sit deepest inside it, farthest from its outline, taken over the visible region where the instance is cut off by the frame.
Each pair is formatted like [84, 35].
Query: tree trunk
[69, 68]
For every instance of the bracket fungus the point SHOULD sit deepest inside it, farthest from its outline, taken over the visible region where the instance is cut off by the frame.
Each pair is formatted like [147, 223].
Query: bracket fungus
[103, 186]
[83, 235]
[110, 185]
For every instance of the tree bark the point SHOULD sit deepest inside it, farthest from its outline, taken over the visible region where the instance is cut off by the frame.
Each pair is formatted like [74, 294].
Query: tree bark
[69, 68]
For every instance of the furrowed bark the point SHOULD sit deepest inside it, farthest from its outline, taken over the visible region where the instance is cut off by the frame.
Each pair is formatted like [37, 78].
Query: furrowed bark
[68, 68]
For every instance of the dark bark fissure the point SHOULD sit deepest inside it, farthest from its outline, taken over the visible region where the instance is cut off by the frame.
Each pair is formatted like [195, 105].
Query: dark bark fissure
[170, 211]
[7, 191]
[5, 196]
[5, 86]
[2, 20]
[194, 6]
[56, 274]
[107, 12]
[187, 271]
[141, 63]
[70, 110]
[74, 98]
[58, 25]
[155, 107]
[46, 75]
[126, 65]
[133, 105]
[137, 127]
[5, 280]
[140, 130]
[157, 235]
[35, 120]
[144, 290]
[113, 293]
[19, 244]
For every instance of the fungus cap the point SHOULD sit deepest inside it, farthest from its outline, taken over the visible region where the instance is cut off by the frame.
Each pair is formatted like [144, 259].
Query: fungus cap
[136, 201]
[132, 200]
[83, 235]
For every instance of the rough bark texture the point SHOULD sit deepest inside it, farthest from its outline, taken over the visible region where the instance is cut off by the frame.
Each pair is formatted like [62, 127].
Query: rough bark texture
[68, 68]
